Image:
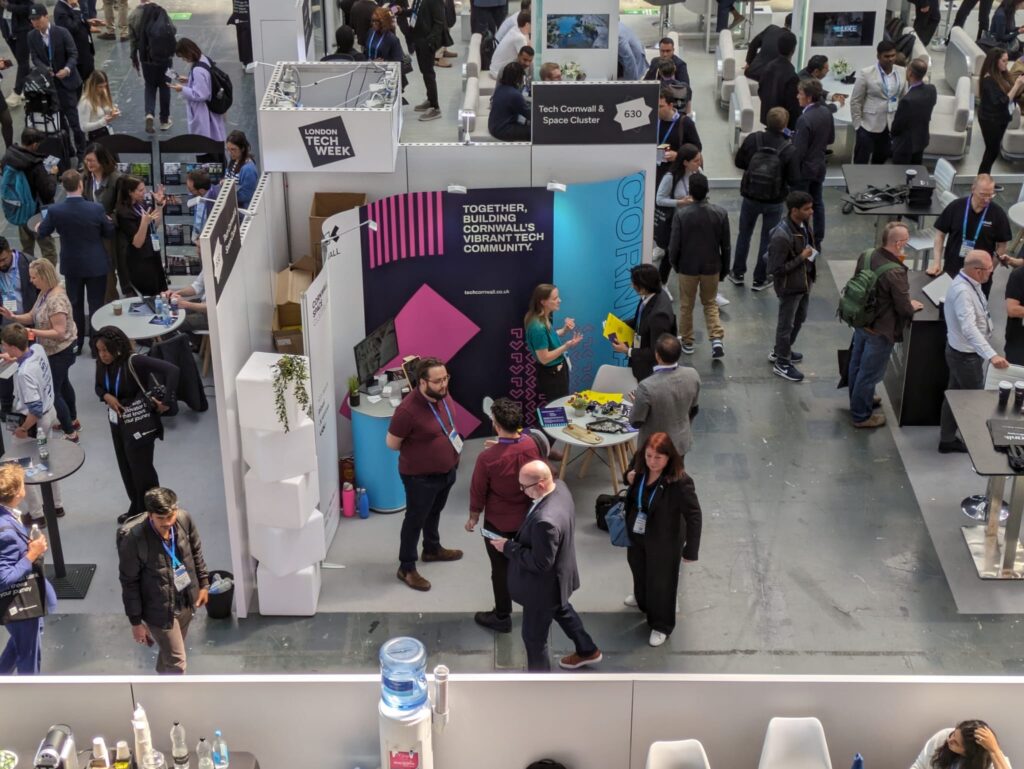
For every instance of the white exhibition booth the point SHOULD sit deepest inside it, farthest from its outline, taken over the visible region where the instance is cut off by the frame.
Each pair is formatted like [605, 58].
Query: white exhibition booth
[588, 720]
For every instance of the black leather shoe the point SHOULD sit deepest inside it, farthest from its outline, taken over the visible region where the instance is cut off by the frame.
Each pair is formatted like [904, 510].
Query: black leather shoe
[952, 447]
[492, 621]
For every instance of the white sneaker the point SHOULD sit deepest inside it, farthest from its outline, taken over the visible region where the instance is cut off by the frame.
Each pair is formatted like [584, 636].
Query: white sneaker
[630, 600]
[15, 100]
[250, 67]
[721, 301]
[657, 638]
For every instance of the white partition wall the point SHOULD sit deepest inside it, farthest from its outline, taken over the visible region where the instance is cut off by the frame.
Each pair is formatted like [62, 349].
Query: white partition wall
[592, 720]
[281, 31]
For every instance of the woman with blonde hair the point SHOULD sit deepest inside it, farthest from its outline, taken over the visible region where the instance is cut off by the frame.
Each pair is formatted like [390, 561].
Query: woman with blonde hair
[543, 340]
[96, 109]
[54, 325]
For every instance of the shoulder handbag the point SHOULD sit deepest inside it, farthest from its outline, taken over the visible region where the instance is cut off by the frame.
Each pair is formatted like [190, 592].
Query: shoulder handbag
[616, 520]
[23, 600]
[139, 420]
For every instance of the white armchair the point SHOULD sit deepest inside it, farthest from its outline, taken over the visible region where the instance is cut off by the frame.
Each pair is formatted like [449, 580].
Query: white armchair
[952, 119]
[795, 743]
[744, 113]
[681, 754]
[963, 58]
[727, 67]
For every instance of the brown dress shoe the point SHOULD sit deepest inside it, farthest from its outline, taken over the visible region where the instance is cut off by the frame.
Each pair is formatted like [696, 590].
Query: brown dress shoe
[875, 420]
[442, 554]
[414, 580]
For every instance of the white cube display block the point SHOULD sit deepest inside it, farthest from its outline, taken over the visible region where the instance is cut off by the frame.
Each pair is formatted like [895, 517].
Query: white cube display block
[294, 595]
[282, 504]
[255, 383]
[284, 551]
[274, 456]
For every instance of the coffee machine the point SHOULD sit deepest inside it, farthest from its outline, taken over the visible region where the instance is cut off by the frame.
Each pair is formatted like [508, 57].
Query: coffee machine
[57, 750]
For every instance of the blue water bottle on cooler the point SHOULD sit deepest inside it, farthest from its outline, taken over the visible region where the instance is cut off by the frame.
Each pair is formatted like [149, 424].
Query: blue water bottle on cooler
[403, 674]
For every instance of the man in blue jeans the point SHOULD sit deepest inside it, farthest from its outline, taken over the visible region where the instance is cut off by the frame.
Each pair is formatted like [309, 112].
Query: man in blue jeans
[423, 431]
[872, 344]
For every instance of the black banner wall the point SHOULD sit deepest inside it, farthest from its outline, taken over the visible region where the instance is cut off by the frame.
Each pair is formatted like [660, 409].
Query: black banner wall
[595, 113]
[456, 272]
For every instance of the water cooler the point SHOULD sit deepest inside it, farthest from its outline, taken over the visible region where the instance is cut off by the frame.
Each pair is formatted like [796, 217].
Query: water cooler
[407, 719]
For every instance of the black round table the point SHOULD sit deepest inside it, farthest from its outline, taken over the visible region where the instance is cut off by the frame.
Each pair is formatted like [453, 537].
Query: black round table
[68, 580]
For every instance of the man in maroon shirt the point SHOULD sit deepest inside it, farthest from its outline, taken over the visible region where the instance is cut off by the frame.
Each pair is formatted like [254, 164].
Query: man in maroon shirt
[423, 431]
[495, 491]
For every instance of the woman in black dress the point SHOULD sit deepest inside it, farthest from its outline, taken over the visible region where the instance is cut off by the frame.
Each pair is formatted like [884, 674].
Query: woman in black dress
[117, 387]
[663, 519]
[998, 92]
[137, 213]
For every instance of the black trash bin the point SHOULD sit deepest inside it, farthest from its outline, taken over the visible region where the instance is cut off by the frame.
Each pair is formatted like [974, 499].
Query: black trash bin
[219, 604]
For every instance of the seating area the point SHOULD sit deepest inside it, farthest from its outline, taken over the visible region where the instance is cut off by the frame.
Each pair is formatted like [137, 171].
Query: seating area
[963, 59]
[789, 743]
[952, 120]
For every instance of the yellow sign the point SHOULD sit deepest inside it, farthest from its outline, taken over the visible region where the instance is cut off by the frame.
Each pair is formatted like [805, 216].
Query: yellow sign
[602, 398]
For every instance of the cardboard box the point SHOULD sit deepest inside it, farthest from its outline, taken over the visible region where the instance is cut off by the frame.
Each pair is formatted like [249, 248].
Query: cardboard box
[287, 341]
[325, 205]
[289, 286]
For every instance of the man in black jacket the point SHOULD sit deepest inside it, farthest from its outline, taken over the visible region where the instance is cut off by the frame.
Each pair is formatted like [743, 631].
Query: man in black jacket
[428, 31]
[25, 157]
[764, 48]
[674, 130]
[653, 317]
[667, 52]
[771, 167]
[163, 577]
[909, 130]
[791, 255]
[53, 50]
[815, 131]
[778, 83]
[68, 14]
[928, 14]
[701, 264]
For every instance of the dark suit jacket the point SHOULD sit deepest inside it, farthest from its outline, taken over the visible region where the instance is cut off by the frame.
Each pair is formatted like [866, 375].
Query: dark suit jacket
[359, 19]
[82, 226]
[74, 22]
[65, 54]
[815, 130]
[431, 26]
[910, 123]
[29, 293]
[656, 319]
[762, 49]
[682, 75]
[542, 557]
[13, 548]
[777, 88]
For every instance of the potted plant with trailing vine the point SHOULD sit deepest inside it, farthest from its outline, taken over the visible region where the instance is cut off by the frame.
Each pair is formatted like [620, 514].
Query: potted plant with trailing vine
[290, 370]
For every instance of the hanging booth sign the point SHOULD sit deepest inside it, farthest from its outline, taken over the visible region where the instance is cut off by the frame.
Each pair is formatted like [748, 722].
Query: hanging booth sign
[595, 113]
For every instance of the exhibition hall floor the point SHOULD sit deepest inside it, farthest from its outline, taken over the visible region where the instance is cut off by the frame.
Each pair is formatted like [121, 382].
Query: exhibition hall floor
[815, 556]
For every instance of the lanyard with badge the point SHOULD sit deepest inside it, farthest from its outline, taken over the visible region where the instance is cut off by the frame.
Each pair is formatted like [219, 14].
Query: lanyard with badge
[181, 578]
[640, 524]
[663, 139]
[891, 99]
[965, 244]
[8, 280]
[372, 52]
[452, 434]
[154, 239]
[111, 414]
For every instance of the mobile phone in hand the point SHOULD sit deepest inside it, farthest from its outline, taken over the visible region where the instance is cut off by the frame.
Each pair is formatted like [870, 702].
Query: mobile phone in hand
[489, 534]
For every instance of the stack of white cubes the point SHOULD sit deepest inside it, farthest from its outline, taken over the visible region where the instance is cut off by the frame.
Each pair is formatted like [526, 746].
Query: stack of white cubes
[286, 530]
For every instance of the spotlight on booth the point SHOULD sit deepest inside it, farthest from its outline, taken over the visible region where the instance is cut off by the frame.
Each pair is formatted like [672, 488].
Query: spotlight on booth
[456, 189]
[556, 187]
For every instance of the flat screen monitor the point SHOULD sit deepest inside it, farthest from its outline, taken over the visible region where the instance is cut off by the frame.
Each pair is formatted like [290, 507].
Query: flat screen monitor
[834, 29]
[379, 348]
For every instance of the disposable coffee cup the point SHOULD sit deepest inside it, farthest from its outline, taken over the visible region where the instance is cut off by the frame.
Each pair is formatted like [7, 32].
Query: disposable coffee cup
[1018, 393]
[1004, 392]
[118, 308]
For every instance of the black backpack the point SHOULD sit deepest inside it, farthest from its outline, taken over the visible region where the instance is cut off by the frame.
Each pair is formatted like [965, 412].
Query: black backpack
[159, 36]
[488, 46]
[221, 90]
[126, 528]
[764, 180]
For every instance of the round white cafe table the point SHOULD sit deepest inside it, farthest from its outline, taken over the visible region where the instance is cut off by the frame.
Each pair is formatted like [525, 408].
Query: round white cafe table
[1016, 214]
[616, 445]
[136, 326]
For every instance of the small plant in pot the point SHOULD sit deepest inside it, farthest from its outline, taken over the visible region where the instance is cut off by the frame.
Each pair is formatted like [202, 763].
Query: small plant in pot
[353, 391]
[578, 404]
[290, 370]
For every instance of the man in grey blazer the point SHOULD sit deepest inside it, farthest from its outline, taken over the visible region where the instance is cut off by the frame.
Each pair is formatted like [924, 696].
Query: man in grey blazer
[542, 572]
[873, 103]
[667, 400]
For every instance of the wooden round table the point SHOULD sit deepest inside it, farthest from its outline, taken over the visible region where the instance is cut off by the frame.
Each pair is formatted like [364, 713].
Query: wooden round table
[616, 445]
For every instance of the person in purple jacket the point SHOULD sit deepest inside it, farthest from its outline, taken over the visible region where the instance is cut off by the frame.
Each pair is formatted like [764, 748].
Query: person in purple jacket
[197, 90]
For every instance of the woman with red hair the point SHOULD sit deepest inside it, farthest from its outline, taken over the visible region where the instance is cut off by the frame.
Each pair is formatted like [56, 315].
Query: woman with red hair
[663, 518]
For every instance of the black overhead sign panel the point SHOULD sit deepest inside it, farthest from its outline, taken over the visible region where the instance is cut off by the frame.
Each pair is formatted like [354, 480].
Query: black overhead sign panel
[595, 113]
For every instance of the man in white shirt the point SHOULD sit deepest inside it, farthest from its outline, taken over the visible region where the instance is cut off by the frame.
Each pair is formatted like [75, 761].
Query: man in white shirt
[508, 49]
[968, 327]
[510, 21]
[33, 399]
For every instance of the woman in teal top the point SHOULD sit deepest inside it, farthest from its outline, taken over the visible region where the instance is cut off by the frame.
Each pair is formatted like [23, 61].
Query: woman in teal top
[543, 340]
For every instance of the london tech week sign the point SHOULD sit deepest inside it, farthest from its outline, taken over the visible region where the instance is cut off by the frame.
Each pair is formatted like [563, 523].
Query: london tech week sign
[595, 113]
[326, 141]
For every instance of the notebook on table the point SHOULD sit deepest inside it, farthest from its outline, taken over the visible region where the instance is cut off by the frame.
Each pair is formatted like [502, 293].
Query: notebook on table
[552, 416]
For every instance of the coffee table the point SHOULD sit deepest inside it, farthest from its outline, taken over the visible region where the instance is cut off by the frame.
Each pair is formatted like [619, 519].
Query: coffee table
[614, 444]
[136, 326]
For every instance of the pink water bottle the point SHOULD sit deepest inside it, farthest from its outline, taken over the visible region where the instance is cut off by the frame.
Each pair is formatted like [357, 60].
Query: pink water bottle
[348, 500]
